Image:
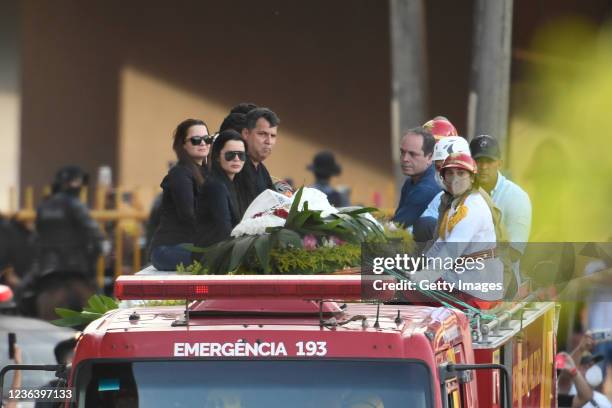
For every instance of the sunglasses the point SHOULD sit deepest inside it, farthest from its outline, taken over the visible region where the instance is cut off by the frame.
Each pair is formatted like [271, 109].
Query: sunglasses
[229, 156]
[197, 140]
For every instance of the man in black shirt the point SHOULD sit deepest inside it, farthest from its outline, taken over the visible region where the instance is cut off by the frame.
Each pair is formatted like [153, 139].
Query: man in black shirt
[260, 136]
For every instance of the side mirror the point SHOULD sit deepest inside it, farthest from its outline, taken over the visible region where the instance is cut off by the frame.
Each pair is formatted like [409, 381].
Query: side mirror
[463, 373]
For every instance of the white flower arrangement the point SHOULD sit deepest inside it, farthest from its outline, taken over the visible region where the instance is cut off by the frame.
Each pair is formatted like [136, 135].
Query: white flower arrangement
[261, 213]
[258, 225]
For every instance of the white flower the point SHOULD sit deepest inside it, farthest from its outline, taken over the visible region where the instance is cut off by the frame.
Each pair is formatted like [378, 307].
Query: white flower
[258, 225]
[317, 200]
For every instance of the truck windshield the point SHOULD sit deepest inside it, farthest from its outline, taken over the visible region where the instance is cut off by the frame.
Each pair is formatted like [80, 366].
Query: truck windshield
[255, 384]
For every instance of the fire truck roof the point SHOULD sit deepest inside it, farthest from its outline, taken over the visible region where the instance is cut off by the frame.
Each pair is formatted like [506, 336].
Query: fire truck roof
[134, 332]
[273, 308]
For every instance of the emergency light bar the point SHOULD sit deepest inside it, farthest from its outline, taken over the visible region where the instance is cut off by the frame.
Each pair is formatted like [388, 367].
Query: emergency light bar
[307, 287]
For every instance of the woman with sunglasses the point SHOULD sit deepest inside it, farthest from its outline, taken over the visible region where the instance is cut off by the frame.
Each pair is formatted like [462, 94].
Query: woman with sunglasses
[177, 226]
[218, 211]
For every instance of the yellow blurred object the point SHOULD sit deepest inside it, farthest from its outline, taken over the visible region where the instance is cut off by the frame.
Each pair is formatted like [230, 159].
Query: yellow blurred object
[559, 142]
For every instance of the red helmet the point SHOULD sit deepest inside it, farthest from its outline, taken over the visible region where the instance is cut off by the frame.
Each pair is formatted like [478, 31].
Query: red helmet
[440, 127]
[460, 161]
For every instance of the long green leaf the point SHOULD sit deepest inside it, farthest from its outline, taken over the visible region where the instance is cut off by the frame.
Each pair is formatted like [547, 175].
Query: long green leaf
[109, 302]
[216, 257]
[262, 250]
[287, 237]
[240, 250]
[96, 305]
[61, 312]
[294, 206]
[300, 219]
[90, 316]
[313, 231]
[328, 226]
[356, 211]
[354, 227]
[69, 321]
[376, 228]
[193, 248]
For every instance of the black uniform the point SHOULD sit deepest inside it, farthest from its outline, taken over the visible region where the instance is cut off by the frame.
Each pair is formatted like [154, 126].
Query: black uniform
[15, 247]
[218, 209]
[68, 239]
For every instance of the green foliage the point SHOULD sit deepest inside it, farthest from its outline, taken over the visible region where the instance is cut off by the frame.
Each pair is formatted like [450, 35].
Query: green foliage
[320, 260]
[401, 237]
[155, 303]
[196, 268]
[97, 306]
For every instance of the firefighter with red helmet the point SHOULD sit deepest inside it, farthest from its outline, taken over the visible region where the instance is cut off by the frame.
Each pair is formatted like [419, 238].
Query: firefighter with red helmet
[440, 127]
[466, 235]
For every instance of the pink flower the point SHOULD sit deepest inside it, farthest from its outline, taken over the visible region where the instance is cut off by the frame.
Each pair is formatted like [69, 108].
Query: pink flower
[337, 240]
[309, 241]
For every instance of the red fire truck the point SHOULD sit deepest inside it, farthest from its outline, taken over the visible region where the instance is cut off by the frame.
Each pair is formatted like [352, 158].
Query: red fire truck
[307, 341]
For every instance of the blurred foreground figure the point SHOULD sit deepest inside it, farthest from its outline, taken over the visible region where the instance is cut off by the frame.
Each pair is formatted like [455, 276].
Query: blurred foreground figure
[68, 238]
[324, 167]
[16, 249]
[67, 247]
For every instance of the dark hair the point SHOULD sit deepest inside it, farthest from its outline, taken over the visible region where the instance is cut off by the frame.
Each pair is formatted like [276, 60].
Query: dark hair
[253, 116]
[428, 140]
[180, 134]
[219, 144]
[243, 107]
[66, 175]
[62, 349]
[235, 121]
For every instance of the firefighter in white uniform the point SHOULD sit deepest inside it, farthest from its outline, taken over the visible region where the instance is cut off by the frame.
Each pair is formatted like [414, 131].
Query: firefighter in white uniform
[466, 234]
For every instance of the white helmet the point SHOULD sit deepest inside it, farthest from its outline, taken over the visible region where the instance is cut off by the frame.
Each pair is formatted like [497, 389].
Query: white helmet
[448, 145]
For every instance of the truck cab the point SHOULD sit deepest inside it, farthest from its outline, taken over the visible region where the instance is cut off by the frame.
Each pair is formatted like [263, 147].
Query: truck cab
[255, 349]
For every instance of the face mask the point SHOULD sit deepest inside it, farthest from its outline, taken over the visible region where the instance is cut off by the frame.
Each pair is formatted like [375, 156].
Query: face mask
[594, 376]
[457, 185]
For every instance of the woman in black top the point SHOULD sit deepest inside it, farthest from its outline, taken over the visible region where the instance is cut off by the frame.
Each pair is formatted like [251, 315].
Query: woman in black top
[218, 210]
[180, 191]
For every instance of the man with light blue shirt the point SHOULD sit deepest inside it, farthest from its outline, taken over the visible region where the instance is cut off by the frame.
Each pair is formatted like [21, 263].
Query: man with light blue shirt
[512, 200]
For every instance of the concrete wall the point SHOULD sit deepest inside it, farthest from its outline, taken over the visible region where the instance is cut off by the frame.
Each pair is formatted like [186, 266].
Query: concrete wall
[9, 101]
[106, 83]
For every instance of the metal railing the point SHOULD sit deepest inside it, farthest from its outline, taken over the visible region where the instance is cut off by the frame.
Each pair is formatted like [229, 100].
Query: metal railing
[122, 220]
